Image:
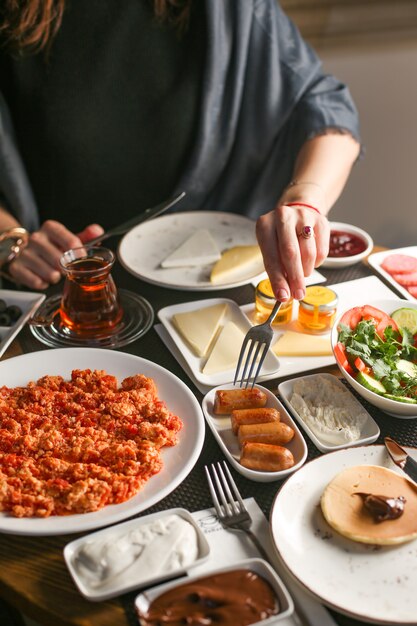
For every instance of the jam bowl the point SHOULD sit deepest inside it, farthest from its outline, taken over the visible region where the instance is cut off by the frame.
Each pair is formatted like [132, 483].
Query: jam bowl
[348, 245]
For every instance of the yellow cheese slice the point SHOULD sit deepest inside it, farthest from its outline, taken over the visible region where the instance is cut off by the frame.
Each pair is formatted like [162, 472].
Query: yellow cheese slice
[226, 350]
[302, 344]
[199, 327]
[236, 263]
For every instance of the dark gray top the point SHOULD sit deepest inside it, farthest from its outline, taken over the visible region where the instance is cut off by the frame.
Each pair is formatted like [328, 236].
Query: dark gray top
[263, 93]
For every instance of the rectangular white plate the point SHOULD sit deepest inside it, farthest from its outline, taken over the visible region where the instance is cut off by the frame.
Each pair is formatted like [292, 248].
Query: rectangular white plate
[377, 258]
[28, 301]
[116, 589]
[370, 431]
[259, 566]
[234, 314]
[220, 426]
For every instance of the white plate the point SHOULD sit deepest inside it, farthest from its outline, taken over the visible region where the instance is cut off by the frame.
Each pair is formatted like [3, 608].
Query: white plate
[359, 291]
[370, 430]
[220, 426]
[234, 314]
[28, 301]
[142, 250]
[178, 460]
[113, 589]
[346, 261]
[373, 584]
[377, 258]
[259, 566]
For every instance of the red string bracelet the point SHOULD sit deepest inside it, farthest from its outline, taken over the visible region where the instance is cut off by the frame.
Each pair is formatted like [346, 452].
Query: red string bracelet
[308, 206]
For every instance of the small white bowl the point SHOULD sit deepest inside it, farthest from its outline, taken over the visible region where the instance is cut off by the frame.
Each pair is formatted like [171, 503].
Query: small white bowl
[346, 261]
[119, 586]
[392, 407]
[370, 430]
[259, 566]
[221, 428]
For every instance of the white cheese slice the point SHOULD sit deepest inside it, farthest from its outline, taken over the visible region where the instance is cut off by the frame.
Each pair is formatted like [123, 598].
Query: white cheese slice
[199, 249]
[226, 350]
[199, 327]
[236, 263]
[302, 344]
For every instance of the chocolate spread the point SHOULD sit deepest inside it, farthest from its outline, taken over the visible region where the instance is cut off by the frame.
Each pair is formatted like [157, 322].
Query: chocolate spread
[383, 508]
[234, 598]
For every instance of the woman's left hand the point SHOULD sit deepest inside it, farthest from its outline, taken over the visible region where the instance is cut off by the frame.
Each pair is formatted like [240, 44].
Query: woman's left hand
[288, 255]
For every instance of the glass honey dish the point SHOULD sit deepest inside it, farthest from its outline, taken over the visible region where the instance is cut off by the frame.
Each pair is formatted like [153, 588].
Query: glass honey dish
[264, 303]
[317, 310]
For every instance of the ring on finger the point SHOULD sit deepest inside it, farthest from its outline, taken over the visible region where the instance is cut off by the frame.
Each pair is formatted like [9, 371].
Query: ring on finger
[306, 232]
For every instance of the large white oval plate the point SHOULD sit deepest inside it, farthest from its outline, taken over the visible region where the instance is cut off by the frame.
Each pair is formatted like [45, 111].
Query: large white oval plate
[142, 249]
[178, 460]
[375, 584]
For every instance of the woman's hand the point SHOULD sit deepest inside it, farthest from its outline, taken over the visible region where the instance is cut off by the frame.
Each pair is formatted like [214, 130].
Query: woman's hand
[288, 256]
[38, 266]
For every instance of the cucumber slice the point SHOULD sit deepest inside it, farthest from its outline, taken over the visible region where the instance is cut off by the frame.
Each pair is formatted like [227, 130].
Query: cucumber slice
[400, 399]
[406, 318]
[407, 367]
[371, 383]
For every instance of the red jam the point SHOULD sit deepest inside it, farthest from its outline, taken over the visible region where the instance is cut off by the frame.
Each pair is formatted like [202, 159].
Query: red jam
[345, 244]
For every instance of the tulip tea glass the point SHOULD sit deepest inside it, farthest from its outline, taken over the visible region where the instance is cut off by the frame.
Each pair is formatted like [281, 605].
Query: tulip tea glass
[90, 305]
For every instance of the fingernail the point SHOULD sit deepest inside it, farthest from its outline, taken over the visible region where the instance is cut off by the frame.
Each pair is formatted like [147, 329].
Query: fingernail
[282, 294]
[299, 294]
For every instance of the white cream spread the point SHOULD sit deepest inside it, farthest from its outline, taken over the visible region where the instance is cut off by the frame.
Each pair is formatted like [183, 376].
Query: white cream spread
[330, 411]
[148, 551]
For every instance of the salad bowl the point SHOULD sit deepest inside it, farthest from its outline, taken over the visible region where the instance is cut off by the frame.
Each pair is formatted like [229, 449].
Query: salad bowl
[378, 398]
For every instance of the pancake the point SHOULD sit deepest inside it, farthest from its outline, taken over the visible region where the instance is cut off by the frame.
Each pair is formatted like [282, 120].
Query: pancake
[344, 510]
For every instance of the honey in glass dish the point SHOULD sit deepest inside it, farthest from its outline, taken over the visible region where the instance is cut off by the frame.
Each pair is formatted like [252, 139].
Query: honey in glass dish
[90, 304]
[317, 310]
[264, 303]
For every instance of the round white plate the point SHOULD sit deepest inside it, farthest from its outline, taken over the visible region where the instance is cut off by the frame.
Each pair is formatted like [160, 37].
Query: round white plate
[374, 584]
[142, 249]
[177, 461]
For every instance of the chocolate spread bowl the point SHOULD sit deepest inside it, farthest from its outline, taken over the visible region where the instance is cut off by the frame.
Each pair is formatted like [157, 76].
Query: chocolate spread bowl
[206, 595]
[348, 245]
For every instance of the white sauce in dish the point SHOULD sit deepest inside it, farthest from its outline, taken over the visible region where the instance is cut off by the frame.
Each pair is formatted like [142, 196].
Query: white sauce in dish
[150, 550]
[333, 415]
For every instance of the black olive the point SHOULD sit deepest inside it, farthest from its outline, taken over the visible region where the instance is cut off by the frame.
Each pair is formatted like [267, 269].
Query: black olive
[3, 306]
[14, 311]
[5, 319]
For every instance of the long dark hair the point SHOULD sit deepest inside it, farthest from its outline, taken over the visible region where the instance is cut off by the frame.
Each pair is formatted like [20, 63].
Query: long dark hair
[31, 25]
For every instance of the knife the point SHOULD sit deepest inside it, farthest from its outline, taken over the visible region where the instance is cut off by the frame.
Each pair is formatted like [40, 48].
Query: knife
[138, 219]
[401, 458]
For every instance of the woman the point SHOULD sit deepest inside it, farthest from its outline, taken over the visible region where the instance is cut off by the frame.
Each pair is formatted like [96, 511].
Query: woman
[111, 107]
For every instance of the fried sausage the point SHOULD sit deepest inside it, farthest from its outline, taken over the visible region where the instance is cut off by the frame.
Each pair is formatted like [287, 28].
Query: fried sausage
[275, 433]
[253, 416]
[264, 457]
[226, 400]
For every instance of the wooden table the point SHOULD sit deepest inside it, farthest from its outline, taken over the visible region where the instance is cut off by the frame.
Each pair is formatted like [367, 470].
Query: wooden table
[33, 576]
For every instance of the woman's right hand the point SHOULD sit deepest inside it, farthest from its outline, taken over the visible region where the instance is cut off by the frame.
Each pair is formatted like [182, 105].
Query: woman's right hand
[37, 267]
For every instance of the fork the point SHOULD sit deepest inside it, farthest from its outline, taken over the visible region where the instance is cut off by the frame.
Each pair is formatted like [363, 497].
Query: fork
[256, 338]
[231, 512]
[233, 515]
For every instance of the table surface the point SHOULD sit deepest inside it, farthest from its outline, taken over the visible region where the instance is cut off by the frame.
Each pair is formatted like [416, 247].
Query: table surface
[33, 576]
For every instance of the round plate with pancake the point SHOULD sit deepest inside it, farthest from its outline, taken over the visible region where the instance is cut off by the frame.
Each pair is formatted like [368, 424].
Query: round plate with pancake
[371, 583]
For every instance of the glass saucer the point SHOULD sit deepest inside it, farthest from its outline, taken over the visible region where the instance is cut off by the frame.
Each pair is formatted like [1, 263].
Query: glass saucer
[137, 319]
